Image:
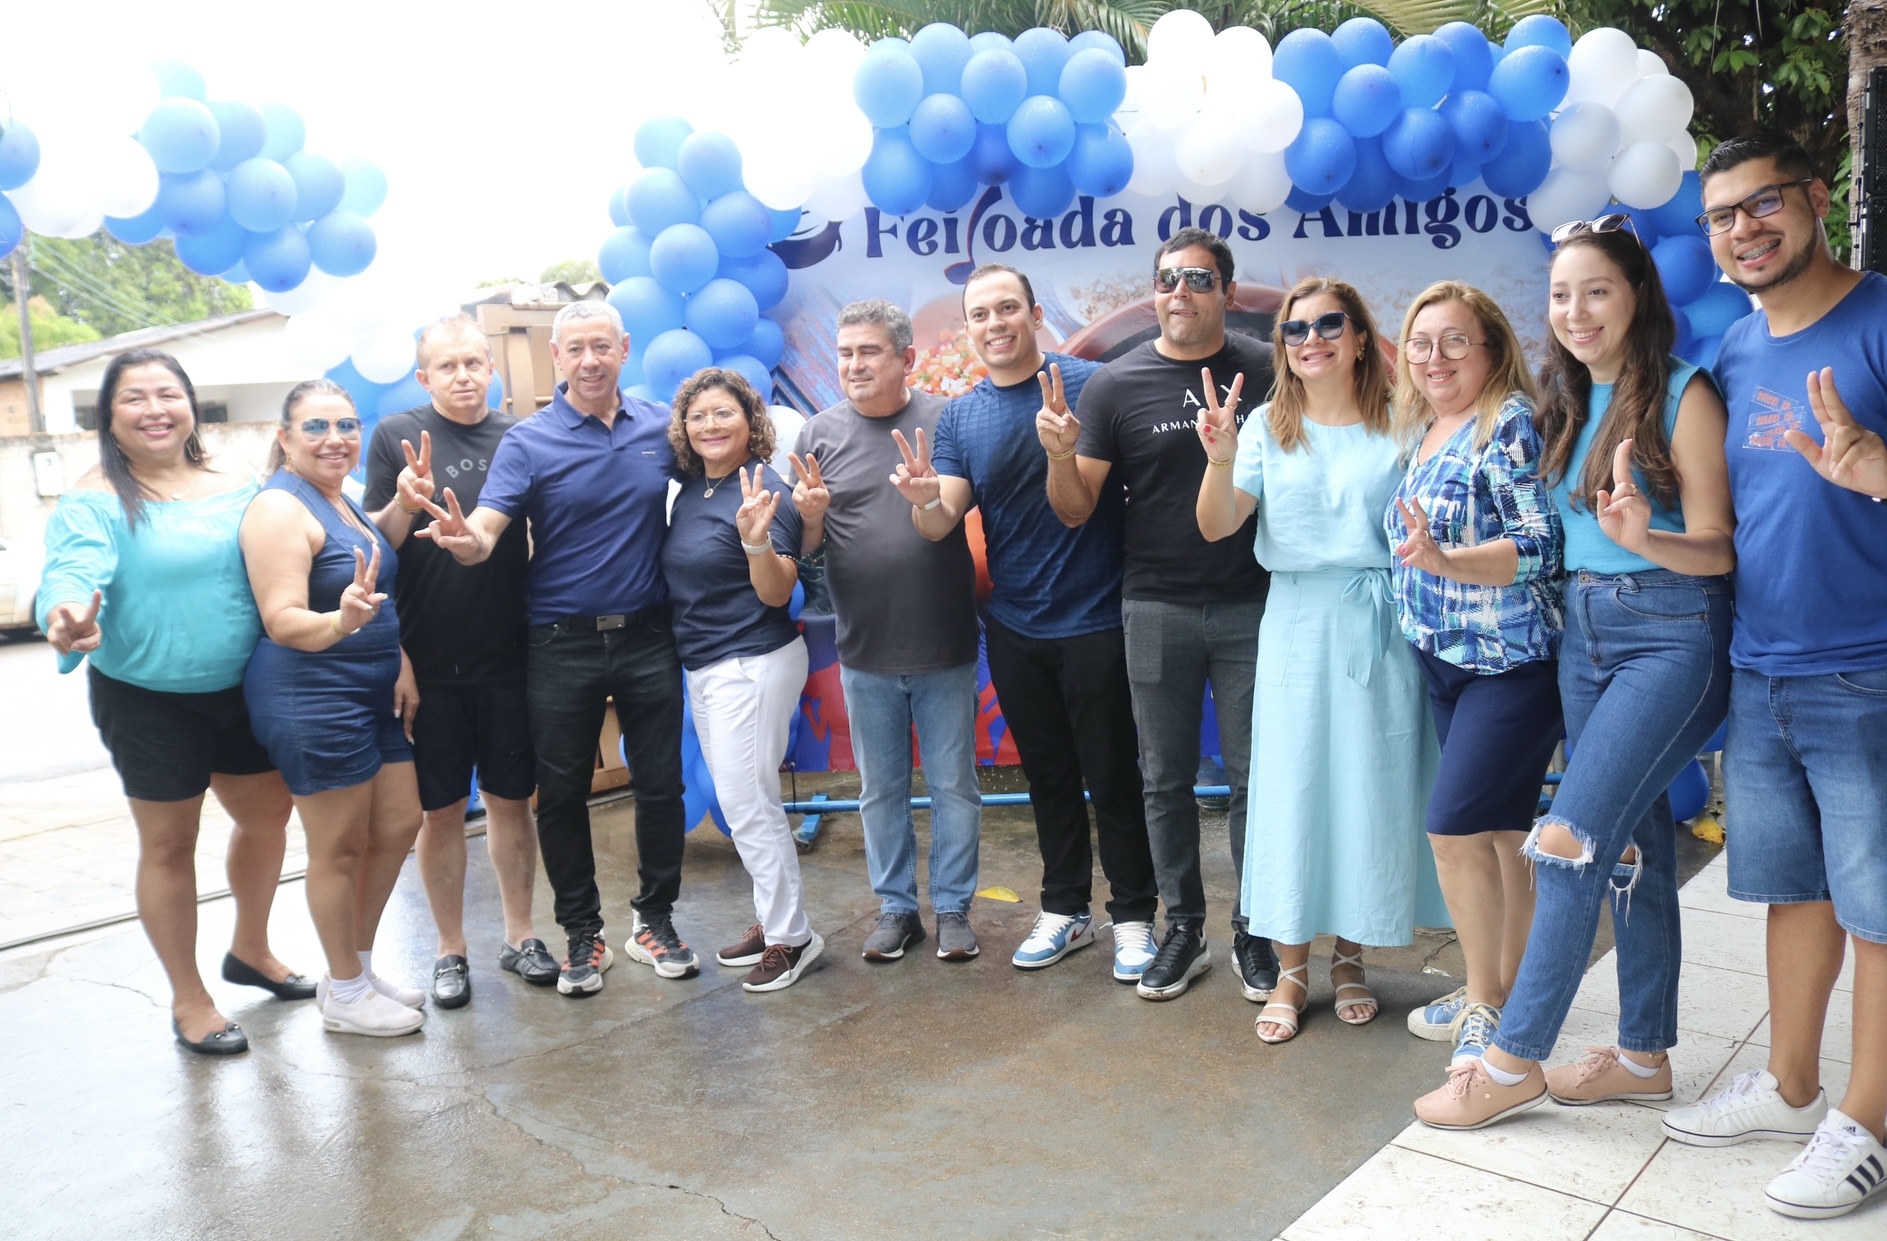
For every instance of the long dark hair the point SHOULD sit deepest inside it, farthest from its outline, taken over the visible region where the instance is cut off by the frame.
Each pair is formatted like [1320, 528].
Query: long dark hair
[296, 395]
[111, 458]
[1637, 409]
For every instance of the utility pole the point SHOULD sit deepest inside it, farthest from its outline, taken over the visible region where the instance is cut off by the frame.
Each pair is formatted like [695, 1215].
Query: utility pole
[29, 378]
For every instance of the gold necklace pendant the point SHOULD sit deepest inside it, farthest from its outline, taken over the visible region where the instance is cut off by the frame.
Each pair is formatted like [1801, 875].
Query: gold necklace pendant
[708, 494]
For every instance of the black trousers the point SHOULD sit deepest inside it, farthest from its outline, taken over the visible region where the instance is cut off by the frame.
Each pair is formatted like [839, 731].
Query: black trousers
[1066, 702]
[571, 673]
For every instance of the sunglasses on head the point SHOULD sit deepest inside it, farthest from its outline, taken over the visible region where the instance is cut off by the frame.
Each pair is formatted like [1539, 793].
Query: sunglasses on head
[315, 428]
[1327, 327]
[1198, 279]
[1604, 224]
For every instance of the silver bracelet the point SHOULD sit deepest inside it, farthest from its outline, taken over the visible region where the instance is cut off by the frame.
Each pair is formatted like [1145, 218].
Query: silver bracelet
[755, 549]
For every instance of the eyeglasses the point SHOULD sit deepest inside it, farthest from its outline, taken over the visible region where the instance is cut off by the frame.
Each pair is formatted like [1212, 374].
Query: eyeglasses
[1198, 279]
[1604, 224]
[1454, 347]
[315, 428]
[1766, 201]
[715, 417]
[1327, 327]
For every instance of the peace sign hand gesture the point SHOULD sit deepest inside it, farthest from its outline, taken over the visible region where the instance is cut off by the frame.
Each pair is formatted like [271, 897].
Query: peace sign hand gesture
[1849, 455]
[415, 483]
[359, 602]
[1623, 512]
[915, 478]
[758, 504]
[448, 528]
[810, 496]
[70, 628]
[1419, 550]
[1218, 428]
[1055, 424]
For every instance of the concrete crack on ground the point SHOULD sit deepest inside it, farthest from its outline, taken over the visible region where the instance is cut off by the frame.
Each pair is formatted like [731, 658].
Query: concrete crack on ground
[725, 1209]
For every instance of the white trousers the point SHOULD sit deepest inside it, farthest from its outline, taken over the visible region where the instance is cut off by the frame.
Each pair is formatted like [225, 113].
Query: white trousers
[743, 710]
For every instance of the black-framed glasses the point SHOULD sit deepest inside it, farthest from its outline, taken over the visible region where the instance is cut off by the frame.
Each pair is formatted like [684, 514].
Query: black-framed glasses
[1766, 201]
[315, 428]
[1604, 224]
[1327, 327]
[1198, 279]
[1453, 346]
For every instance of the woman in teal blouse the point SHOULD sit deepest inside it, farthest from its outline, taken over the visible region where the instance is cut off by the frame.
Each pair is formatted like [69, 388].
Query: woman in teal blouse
[144, 575]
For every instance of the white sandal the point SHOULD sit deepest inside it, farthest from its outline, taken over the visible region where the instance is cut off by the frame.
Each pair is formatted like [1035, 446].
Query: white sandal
[1369, 997]
[1278, 1013]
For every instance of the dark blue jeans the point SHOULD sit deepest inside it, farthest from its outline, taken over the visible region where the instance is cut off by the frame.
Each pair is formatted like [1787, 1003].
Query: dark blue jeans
[572, 674]
[1644, 677]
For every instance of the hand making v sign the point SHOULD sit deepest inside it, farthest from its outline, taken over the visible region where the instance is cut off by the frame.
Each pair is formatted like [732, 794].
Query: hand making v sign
[1218, 425]
[1849, 455]
[809, 493]
[415, 484]
[915, 478]
[1055, 424]
[758, 504]
[1419, 550]
[72, 628]
[360, 603]
[1623, 512]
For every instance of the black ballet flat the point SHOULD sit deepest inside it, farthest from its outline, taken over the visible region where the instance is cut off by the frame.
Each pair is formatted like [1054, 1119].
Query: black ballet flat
[228, 1041]
[294, 987]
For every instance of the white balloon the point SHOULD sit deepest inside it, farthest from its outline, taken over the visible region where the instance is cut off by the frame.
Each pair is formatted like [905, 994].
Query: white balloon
[1686, 148]
[127, 179]
[1646, 174]
[1567, 195]
[311, 292]
[1210, 149]
[1584, 137]
[779, 182]
[1650, 63]
[843, 144]
[1201, 195]
[1277, 117]
[1155, 171]
[838, 198]
[389, 358]
[1653, 109]
[1263, 184]
[835, 54]
[1239, 55]
[1130, 106]
[1179, 35]
[1602, 64]
[61, 199]
[1173, 92]
[772, 49]
[315, 342]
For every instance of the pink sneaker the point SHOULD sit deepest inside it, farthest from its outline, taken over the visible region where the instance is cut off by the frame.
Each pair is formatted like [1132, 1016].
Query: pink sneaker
[1598, 1077]
[1472, 1100]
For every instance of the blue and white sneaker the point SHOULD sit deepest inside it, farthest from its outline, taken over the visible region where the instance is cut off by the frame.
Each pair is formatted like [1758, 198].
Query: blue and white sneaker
[1134, 950]
[1054, 937]
[1436, 1022]
[1479, 1022]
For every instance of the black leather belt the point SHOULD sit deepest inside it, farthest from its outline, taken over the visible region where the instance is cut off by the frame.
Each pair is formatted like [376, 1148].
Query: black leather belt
[600, 624]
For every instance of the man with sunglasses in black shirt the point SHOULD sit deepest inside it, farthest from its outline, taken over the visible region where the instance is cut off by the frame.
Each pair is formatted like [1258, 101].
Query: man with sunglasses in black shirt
[1190, 608]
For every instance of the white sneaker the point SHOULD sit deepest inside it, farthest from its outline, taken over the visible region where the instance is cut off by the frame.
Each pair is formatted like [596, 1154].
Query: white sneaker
[375, 1016]
[398, 994]
[1054, 937]
[1134, 950]
[1841, 1167]
[1750, 1107]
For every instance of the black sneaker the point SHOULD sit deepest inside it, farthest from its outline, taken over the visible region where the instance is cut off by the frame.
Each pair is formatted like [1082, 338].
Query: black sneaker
[531, 961]
[1257, 964]
[653, 941]
[583, 969]
[1183, 956]
[451, 982]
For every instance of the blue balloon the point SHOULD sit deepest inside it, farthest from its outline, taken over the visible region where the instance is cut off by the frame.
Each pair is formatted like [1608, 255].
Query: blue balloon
[1479, 123]
[1044, 53]
[1097, 39]
[1372, 186]
[1366, 100]
[753, 370]
[1363, 41]
[177, 79]
[495, 395]
[1420, 145]
[283, 129]
[943, 129]
[1420, 191]
[1690, 792]
[243, 131]
[365, 392]
[277, 261]
[767, 343]
[631, 373]
[986, 40]
[683, 257]
[659, 198]
[723, 313]
[238, 274]
[1322, 157]
[1041, 133]
[1425, 68]
[1683, 338]
[190, 203]
[941, 51]
[1460, 174]
[644, 392]
[951, 186]
[1092, 84]
[1102, 162]
[658, 141]
[1713, 311]
[214, 252]
[764, 274]
[897, 178]
[1474, 58]
[1540, 30]
[11, 230]
[181, 135]
[1679, 215]
[1644, 225]
[1530, 82]
[135, 230]
[623, 255]
[991, 159]
[738, 222]
[1302, 200]
[1042, 192]
[1703, 351]
[672, 357]
[1308, 62]
[400, 397]
[366, 187]
[709, 163]
[783, 224]
[319, 184]
[994, 83]
[19, 156]
[647, 309]
[341, 243]
[619, 207]
[262, 196]
[887, 87]
[1523, 163]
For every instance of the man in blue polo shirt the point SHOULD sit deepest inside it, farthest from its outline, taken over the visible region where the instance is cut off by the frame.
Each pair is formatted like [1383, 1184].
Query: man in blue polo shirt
[1052, 627]
[591, 473]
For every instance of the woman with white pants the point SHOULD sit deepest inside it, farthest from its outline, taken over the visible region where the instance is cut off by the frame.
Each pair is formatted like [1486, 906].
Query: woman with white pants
[729, 560]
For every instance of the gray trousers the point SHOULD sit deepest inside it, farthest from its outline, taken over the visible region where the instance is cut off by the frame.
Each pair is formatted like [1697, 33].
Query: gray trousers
[1173, 649]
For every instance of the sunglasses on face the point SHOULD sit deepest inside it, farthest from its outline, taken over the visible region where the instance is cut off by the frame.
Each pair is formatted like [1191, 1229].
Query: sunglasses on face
[1766, 201]
[1604, 224]
[1198, 279]
[1327, 327]
[315, 428]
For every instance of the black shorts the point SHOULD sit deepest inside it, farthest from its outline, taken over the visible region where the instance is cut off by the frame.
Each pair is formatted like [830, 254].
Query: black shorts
[460, 728]
[166, 746]
[1497, 736]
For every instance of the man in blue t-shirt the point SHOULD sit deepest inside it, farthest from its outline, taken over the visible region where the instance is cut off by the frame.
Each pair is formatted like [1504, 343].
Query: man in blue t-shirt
[1052, 626]
[1806, 761]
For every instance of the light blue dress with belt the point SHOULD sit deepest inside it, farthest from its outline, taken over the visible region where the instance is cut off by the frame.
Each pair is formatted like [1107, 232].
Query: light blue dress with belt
[1343, 751]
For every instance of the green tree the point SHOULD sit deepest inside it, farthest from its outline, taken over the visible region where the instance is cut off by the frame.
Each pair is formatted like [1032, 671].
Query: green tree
[50, 328]
[571, 272]
[113, 287]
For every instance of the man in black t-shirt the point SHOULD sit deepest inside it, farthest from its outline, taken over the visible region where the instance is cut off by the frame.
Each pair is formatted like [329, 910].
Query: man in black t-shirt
[463, 629]
[1190, 608]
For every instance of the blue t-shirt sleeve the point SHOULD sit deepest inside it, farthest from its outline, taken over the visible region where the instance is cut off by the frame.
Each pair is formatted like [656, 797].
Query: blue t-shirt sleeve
[1510, 481]
[946, 456]
[787, 526]
[508, 483]
[1248, 466]
[81, 555]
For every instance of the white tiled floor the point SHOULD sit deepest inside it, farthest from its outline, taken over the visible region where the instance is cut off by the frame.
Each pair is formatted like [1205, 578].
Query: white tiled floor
[1607, 1173]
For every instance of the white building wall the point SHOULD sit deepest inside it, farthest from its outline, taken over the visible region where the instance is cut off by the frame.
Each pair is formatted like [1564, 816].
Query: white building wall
[244, 367]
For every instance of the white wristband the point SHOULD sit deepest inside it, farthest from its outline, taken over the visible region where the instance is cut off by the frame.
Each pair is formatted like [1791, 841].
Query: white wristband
[925, 508]
[755, 549]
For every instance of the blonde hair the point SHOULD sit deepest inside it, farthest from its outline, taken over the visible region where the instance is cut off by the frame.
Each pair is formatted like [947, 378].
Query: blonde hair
[1371, 374]
[1507, 370]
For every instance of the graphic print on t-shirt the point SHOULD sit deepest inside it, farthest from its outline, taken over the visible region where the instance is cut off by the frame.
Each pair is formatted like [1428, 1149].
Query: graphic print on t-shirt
[1192, 406]
[1771, 417]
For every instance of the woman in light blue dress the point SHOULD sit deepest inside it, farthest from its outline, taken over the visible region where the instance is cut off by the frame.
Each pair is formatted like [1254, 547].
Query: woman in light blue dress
[1343, 752]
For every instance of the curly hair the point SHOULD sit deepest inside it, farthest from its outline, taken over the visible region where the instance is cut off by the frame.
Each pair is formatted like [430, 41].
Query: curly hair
[760, 436]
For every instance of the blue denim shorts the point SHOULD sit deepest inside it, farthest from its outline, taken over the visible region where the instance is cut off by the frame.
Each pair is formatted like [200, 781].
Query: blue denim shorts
[1805, 787]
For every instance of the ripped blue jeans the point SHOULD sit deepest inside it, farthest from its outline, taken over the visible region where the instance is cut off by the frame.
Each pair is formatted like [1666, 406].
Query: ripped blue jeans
[1644, 677]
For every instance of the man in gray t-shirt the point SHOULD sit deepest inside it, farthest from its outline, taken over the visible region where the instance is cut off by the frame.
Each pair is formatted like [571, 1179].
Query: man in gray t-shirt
[907, 632]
